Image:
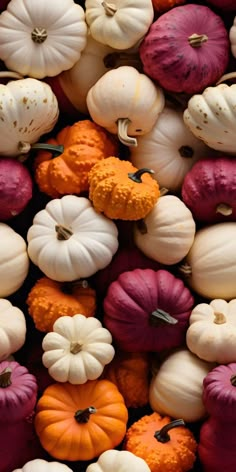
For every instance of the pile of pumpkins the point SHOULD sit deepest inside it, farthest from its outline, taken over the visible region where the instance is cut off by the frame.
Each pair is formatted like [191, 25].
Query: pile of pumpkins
[118, 196]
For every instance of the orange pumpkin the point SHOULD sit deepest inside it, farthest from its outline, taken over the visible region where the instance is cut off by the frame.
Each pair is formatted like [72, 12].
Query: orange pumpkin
[79, 422]
[49, 300]
[165, 445]
[84, 144]
[162, 6]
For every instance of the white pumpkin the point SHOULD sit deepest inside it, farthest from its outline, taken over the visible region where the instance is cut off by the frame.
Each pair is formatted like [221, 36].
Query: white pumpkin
[121, 99]
[119, 23]
[118, 461]
[77, 349]
[210, 265]
[176, 389]
[69, 240]
[212, 331]
[14, 261]
[232, 37]
[167, 233]
[41, 465]
[12, 329]
[43, 38]
[211, 117]
[170, 149]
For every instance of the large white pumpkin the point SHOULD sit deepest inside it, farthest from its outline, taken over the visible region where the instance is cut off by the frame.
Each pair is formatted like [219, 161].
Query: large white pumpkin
[41, 465]
[12, 329]
[118, 461]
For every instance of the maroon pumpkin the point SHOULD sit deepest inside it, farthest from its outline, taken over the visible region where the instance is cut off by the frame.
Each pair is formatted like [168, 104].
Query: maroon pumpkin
[219, 392]
[226, 5]
[147, 310]
[209, 190]
[186, 49]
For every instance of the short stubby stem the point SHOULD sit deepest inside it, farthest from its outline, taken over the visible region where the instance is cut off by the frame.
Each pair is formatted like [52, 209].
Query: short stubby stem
[75, 347]
[5, 377]
[219, 318]
[110, 8]
[82, 416]
[197, 40]
[63, 233]
[160, 316]
[39, 35]
[224, 209]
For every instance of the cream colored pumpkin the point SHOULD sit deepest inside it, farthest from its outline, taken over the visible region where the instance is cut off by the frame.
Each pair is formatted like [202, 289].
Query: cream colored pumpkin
[14, 260]
[43, 38]
[170, 149]
[69, 240]
[167, 233]
[121, 99]
[119, 23]
[210, 265]
[211, 117]
[176, 389]
[77, 349]
[118, 461]
[12, 329]
[212, 331]
[232, 37]
[41, 465]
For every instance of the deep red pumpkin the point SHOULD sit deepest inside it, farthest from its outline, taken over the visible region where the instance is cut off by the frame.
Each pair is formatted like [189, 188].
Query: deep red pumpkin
[186, 49]
[219, 392]
[134, 305]
[225, 5]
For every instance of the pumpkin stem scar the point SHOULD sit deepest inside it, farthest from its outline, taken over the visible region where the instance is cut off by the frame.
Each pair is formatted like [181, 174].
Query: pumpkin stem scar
[233, 380]
[25, 147]
[5, 377]
[136, 176]
[123, 124]
[110, 8]
[82, 416]
[224, 209]
[220, 318]
[196, 40]
[39, 35]
[75, 347]
[186, 151]
[162, 435]
[158, 316]
[63, 233]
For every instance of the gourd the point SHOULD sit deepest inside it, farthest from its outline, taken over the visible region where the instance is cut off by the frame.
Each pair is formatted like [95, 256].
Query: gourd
[49, 39]
[162, 443]
[77, 349]
[69, 240]
[118, 461]
[14, 260]
[121, 191]
[12, 328]
[211, 332]
[41, 465]
[167, 233]
[186, 49]
[219, 392]
[147, 310]
[79, 422]
[48, 300]
[232, 37]
[120, 99]
[116, 24]
[176, 389]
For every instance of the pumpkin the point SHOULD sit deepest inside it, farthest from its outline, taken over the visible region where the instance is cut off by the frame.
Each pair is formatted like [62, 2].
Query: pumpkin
[48, 300]
[14, 260]
[18, 392]
[41, 465]
[147, 310]
[77, 349]
[232, 37]
[211, 332]
[69, 240]
[162, 443]
[167, 233]
[210, 117]
[121, 98]
[79, 422]
[28, 110]
[121, 191]
[219, 392]
[49, 39]
[118, 24]
[210, 266]
[12, 328]
[162, 6]
[186, 49]
[227, 5]
[170, 149]
[118, 461]
[176, 389]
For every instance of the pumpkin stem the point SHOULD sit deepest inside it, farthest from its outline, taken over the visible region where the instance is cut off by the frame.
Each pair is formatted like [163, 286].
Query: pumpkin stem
[186, 151]
[10, 74]
[123, 124]
[63, 233]
[196, 40]
[75, 347]
[185, 269]
[224, 209]
[219, 318]
[67, 287]
[110, 8]
[39, 35]
[141, 225]
[162, 435]
[136, 176]
[56, 150]
[5, 377]
[117, 59]
[230, 75]
[82, 416]
[233, 380]
[158, 316]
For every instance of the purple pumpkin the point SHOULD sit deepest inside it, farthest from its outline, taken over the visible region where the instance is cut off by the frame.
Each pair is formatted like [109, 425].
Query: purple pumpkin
[186, 49]
[209, 190]
[147, 310]
[18, 392]
[219, 392]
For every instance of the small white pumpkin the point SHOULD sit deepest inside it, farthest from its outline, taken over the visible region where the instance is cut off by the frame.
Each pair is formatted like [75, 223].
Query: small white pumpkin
[12, 329]
[212, 331]
[119, 23]
[40, 39]
[77, 349]
[41, 465]
[232, 37]
[14, 261]
[120, 100]
[167, 233]
[118, 461]
[69, 240]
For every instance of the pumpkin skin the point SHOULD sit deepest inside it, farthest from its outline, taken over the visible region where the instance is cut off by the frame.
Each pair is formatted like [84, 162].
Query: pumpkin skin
[48, 300]
[12, 328]
[60, 432]
[118, 461]
[41, 465]
[133, 304]
[186, 49]
[225, 5]
[162, 6]
[219, 392]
